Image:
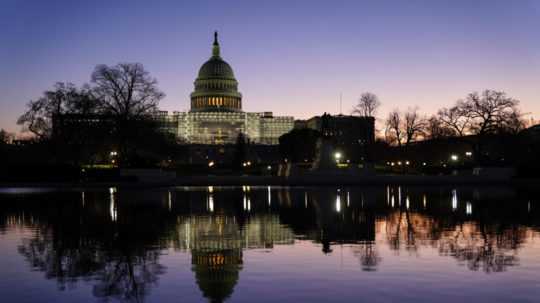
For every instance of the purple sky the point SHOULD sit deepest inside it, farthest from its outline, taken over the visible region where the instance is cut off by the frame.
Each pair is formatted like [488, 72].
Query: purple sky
[290, 57]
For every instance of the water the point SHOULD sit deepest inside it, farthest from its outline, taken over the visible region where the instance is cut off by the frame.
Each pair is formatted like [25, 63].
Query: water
[270, 244]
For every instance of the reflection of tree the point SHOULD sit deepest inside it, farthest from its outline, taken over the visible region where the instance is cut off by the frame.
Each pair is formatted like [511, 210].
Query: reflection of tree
[368, 255]
[66, 265]
[482, 248]
[128, 278]
[400, 229]
[490, 248]
[72, 242]
[122, 273]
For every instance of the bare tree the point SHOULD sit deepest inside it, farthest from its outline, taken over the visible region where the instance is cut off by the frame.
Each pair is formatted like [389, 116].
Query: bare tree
[491, 111]
[83, 102]
[130, 95]
[437, 129]
[367, 105]
[126, 90]
[394, 131]
[60, 100]
[414, 125]
[514, 123]
[455, 118]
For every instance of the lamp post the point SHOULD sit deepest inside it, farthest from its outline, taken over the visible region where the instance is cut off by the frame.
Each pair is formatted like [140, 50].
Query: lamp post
[113, 155]
[338, 156]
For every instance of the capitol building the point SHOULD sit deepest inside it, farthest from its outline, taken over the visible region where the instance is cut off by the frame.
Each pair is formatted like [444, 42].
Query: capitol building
[216, 116]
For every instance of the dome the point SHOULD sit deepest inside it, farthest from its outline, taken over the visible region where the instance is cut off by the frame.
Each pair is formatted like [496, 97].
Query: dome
[216, 89]
[216, 68]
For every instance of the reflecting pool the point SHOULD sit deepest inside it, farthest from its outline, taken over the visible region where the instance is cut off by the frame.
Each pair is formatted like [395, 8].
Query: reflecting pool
[270, 244]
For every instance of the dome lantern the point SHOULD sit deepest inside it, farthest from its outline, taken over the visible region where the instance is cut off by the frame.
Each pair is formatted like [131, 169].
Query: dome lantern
[215, 46]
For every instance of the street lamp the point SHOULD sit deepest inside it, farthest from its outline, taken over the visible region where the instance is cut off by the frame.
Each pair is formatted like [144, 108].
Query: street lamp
[337, 155]
[113, 155]
[454, 157]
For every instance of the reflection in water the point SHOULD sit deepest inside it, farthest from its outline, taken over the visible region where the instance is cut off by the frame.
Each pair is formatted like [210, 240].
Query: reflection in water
[269, 196]
[115, 239]
[112, 205]
[454, 200]
[338, 203]
[216, 244]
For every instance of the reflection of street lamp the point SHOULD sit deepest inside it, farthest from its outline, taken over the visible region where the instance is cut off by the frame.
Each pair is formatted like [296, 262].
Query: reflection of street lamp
[338, 203]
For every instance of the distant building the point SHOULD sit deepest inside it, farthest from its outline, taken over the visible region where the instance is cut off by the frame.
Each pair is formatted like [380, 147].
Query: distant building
[67, 124]
[352, 134]
[347, 130]
[216, 115]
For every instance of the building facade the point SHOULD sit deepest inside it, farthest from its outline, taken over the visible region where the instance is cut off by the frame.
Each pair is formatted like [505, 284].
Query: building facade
[352, 135]
[216, 116]
[345, 129]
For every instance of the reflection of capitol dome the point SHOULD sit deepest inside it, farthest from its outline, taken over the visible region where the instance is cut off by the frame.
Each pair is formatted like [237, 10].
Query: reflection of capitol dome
[217, 272]
[216, 89]
[216, 255]
[216, 243]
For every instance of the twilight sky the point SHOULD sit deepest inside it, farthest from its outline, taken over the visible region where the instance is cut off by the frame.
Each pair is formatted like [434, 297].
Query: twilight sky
[290, 57]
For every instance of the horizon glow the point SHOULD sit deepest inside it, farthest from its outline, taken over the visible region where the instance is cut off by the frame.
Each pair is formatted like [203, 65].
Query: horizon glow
[290, 57]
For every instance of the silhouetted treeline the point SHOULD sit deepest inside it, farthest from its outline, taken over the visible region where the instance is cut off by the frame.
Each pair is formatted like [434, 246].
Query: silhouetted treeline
[109, 121]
